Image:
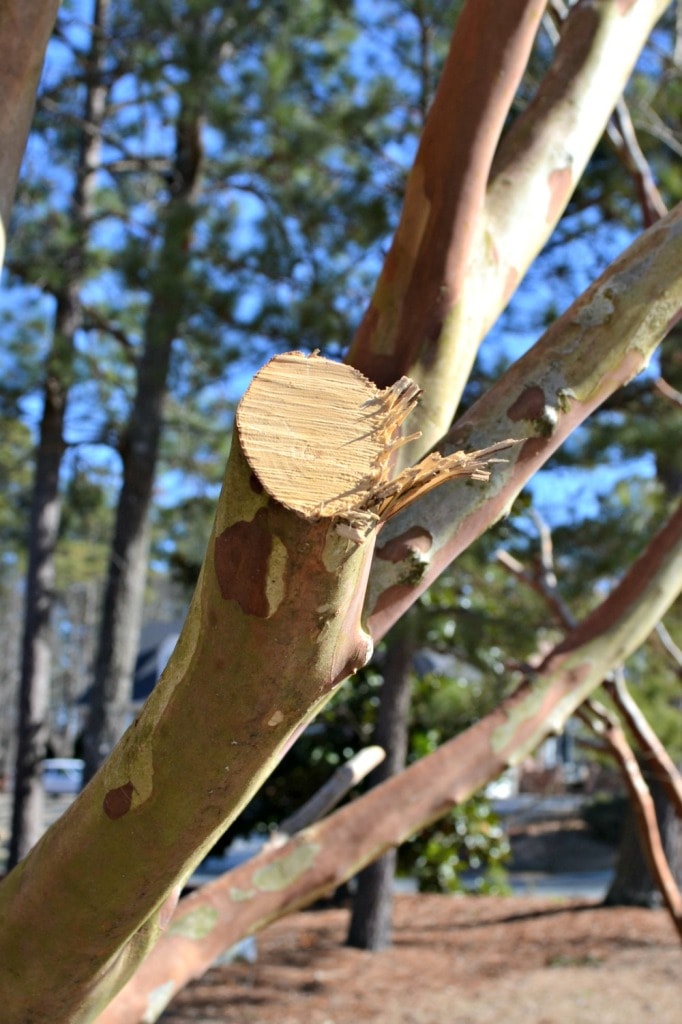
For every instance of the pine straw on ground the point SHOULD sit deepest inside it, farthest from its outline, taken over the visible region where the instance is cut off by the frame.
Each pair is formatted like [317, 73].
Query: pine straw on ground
[455, 960]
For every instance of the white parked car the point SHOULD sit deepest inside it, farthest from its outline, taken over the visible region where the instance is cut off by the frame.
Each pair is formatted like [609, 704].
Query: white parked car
[62, 775]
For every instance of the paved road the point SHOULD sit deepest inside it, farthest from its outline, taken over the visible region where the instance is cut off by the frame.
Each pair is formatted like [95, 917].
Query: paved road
[588, 885]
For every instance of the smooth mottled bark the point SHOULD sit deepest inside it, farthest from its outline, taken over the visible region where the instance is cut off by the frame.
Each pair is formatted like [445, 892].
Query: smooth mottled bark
[306, 488]
[25, 28]
[475, 217]
[164, 792]
[604, 339]
[427, 268]
[320, 858]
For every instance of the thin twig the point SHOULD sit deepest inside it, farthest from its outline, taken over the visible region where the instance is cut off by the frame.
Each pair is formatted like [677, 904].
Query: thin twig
[647, 740]
[543, 579]
[668, 391]
[330, 794]
[623, 137]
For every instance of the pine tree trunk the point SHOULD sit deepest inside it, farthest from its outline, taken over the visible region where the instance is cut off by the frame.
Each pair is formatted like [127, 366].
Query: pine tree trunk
[121, 621]
[372, 917]
[34, 684]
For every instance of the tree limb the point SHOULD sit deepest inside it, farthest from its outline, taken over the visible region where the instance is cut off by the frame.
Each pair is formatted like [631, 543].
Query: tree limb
[534, 172]
[25, 27]
[603, 340]
[426, 271]
[331, 793]
[622, 135]
[320, 858]
[667, 774]
[614, 684]
[668, 391]
[287, 561]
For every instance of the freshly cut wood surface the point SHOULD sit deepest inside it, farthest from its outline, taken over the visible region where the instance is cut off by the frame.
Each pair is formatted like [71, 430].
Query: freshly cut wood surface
[320, 438]
[318, 434]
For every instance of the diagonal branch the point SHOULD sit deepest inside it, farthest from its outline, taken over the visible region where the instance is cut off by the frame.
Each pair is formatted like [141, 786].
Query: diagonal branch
[425, 273]
[543, 155]
[668, 776]
[614, 684]
[479, 263]
[317, 860]
[668, 391]
[603, 340]
[621, 133]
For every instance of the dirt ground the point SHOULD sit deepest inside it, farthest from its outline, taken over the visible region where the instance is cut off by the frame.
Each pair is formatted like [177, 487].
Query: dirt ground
[455, 960]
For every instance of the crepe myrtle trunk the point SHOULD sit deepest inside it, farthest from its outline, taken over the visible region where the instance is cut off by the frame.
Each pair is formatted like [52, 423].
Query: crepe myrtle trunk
[121, 623]
[274, 627]
[316, 861]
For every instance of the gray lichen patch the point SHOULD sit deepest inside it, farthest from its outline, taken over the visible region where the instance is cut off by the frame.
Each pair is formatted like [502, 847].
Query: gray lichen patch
[282, 872]
[195, 924]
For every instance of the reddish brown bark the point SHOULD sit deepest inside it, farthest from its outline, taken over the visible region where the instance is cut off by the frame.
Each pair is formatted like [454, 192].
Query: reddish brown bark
[425, 269]
[25, 27]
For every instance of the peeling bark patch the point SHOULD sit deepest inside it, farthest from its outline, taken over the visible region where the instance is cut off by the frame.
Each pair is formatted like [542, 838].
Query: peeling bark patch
[416, 540]
[241, 555]
[559, 186]
[242, 895]
[530, 405]
[117, 801]
[196, 924]
[275, 719]
[286, 870]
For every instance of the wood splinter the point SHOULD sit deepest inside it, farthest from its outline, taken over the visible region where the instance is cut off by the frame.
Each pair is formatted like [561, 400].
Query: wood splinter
[321, 437]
